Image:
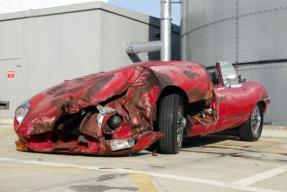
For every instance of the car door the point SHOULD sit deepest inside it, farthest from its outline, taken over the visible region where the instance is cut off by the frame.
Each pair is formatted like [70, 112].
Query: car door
[231, 106]
[231, 97]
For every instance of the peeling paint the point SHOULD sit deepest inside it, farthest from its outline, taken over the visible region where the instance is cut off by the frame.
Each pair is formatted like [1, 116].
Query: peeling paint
[191, 74]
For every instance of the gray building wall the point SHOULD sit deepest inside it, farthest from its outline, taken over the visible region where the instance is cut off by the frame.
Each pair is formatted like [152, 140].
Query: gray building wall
[251, 33]
[46, 46]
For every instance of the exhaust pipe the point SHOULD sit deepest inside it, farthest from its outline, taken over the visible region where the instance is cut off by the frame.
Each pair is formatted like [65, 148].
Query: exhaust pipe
[164, 45]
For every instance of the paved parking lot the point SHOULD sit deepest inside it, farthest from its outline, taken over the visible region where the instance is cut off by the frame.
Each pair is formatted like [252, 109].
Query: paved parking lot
[214, 163]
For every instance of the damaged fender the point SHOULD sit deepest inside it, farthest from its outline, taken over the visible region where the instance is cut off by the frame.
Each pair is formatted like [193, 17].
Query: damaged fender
[110, 113]
[66, 117]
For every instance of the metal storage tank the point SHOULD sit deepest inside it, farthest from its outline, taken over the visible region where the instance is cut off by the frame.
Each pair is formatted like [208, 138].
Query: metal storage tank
[250, 33]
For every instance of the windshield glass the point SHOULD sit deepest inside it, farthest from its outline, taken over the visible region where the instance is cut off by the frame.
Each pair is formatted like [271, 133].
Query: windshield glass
[229, 74]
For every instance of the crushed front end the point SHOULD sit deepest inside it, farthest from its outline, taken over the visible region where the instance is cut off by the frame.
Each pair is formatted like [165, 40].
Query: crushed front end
[103, 114]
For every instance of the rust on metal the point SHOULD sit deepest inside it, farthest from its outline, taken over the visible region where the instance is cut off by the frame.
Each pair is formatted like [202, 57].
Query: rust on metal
[197, 95]
[222, 98]
[191, 74]
[89, 126]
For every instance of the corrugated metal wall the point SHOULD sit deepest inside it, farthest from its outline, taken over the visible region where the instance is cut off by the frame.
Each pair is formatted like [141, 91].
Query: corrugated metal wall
[250, 32]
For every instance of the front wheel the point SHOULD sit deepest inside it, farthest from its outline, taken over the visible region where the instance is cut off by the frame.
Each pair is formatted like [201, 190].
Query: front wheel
[252, 129]
[171, 122]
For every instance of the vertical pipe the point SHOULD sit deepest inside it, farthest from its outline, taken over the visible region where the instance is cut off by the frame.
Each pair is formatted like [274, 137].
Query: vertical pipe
[184, 24]
[165, 30]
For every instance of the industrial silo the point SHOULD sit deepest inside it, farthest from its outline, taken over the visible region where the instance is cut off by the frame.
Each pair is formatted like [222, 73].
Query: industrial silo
[251, 33]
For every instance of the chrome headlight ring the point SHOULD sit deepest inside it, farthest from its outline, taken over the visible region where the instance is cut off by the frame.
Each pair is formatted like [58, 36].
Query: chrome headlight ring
[108, 119]
[22, 111]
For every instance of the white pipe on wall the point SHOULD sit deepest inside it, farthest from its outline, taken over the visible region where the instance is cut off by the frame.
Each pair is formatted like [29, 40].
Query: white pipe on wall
[164, 45]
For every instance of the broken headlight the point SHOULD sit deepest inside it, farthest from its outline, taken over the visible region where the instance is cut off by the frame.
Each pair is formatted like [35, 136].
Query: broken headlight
[114, 121]
[119, 144]
[108, 119]
[22, 111]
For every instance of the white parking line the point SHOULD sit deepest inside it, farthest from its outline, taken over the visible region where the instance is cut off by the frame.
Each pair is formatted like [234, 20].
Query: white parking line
[135, 160]
[261, 176]
[129, 171]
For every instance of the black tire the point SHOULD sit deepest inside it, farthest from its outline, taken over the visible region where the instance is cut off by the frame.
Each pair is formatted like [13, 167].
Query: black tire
[252, 129]
[170, 119]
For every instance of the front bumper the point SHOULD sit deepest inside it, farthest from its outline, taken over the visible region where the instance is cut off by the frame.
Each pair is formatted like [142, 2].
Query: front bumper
[90, 147]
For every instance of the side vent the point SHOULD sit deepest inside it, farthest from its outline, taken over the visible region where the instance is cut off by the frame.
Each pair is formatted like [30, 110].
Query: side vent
[4, 105]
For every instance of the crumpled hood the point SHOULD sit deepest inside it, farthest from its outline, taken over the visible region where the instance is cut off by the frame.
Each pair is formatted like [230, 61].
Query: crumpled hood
[72, 95]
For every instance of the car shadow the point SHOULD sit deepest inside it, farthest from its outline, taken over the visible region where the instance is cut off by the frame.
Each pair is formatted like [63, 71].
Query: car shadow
[210, 139]
[142, 153]
[153, 150]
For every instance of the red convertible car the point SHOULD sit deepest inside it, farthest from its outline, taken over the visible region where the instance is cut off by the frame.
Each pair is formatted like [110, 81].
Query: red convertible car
[127, 110]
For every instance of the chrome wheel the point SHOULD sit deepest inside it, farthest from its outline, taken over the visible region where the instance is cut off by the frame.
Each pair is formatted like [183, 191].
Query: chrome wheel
[255, 120]
[251, 130]
[179, 136]
[181, 124]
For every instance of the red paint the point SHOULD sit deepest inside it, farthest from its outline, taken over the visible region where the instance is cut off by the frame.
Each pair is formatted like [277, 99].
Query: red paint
[11, 74]
[133, 92]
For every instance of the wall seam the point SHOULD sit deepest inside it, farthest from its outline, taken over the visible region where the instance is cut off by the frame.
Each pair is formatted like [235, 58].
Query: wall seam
[282, 8]
[236, 40]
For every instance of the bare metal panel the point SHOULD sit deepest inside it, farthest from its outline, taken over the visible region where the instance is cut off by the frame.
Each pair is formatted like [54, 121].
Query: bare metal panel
[262, 36]
[58, 48]
[11, 48]
[251, 6]
[211, 44]
[208, 33]
[202, 12]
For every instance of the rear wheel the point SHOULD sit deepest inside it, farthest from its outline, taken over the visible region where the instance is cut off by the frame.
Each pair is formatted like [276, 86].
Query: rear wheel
[171, 122]
[252, 129]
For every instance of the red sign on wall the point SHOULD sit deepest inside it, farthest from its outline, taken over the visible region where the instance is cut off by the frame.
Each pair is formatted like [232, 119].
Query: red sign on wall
[11, 74]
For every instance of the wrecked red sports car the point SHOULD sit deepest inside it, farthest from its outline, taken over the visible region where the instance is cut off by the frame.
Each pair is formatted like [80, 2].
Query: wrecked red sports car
[127, 110]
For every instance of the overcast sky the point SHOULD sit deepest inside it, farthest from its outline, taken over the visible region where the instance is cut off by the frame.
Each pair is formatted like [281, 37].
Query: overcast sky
[150, 7]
